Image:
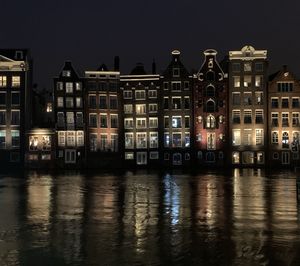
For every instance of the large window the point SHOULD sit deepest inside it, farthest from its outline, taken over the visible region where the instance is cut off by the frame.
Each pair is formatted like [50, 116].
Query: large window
[71, 138]
[78, 102]
[15, 81]
[127, 94]
[61, 138]
[70, 118]
[2, 98]
[141, 140]
[176, 122]
[247, 138]
[113, 102]
[210, 91]
[114, 142]
[247, 81]
[79, 119]
[166, 103]
[140, 109]
[247, 98]
[69, 102]
[295, 102]
[211, 141]
[210, 106]
[166, 140]
[128, 108]
[285, 86]
[236, 137]
[152, 94]
[103, 142]
[60, 101]
[187, 139]
[176, 85]
[236, 82]
[93, 142]
[152, 108]
[80, 138]
[69, 87]
[258, 81]
[129, 144]
[92, 101]
[187, 102]
[274, 103]
[258, 98]
[285, 103]
[236, 98]
[60, 118]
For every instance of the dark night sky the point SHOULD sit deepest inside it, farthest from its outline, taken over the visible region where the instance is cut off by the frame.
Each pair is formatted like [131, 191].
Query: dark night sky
[93, 31]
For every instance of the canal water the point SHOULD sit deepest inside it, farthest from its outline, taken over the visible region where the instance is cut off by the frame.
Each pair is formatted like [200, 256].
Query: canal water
[243, 217]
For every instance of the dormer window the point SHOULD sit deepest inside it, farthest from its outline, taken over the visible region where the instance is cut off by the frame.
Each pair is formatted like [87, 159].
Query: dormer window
[66, 73]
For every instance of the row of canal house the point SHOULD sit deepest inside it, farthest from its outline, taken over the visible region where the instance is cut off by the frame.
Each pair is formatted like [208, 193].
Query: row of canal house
[228, 112]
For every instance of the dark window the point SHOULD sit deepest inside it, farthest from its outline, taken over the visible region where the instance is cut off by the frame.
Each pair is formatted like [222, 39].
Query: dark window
[295, 103]
[113, 103]
[284, 103]
[176, 103]
[92, 101]
[2, 98]
[210, 91]
[102, 102]
[187, 103]
[274, 103]
[166, 103]
[15, 98]
[210, 76]
[210, 106]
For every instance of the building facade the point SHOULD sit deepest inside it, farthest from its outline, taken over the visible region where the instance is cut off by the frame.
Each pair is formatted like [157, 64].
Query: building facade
[210, 111]
[284, 118]
[15, 104]
[141, 110]
[176, 114]
[248, 106]
[104, 116]
[69, 118]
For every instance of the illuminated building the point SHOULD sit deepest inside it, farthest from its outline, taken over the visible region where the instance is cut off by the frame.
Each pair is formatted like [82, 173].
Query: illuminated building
[15, 103]
[210, 111]
[69, 117]
[247, 106]
[284, 118]
[103, 117]
[141, 103]
[176, 113]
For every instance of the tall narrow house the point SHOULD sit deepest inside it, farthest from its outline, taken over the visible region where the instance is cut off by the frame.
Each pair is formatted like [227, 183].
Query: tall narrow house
[210, 111]
[69, 117]
[284, 118]
[104, 117]
[176, 113]
[248, 106]
[141, 111]
[15, 103]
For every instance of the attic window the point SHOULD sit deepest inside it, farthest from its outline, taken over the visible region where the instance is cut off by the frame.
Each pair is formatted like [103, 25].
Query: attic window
[66, 73]
[19, 55]
[175, 72]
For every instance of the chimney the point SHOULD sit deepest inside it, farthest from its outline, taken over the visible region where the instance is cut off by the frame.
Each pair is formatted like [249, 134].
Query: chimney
[117, 63]
[153, 67]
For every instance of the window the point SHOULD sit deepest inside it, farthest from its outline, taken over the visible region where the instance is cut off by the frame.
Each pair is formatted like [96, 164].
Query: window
[236, 98]
[127, 94]
[103, 142]
[166, 122]
[78, 102]
[78, 86]
[187, 102]
[46, 157]
[210, 121]
[152, 94]
[113, 102]
[15, 98]
[129, 144]
[177, 159]
[285, 119]
[166, 140]
[2, 98]
[236, 116]
[69, 102]
[15, 157]
[69, 87]
[187, 139]
[114, 142]
[103, 120]
[247, 138]
[187, 123]
[247, 116]
[93, 142]
[186, 85]
[153, 139]
[166, 156]
[248, 157]
[15, 117]
[70, 118]
[80, 138]
[166, 85]
[79, 119]
[114, 122]
[176, 122]
[285, 86]
[259, 67]
[285, 103]
[129, 156]
[141, 158]
[236, 82]
[247, 98]
[59, 86]
[210, 106]
[61, 138]
[259, 137]
[46, 143]
[295, 121]
[259, 116]
[211, 141]
[166, 103]
[92, 101]
[140, 109]
[247, 81]
[15, 138]
[274, 119]
[66, 73]
[70, 138]
[140, 95]
[2, 117]
[236, 137]
[154, 155]
[295, 102]
[141, 140]
[285, 140]
[70, 156]
[176, 103]
[176, 140]
[49, 107]
[128, 108]
[274, 103]
[2, 139]
[15, 81]
[93, 120]
[210, 75]
[153, 122]
[247, 67]
[60, 118]
[102, 102]
[128, 123]
[3, 81]
[274, 137]
[176, 85]
[221, 119]
[258, 98]
[140, 123]
[153, 108]
[210, 157]
[210, 91]
[236, 67]
[176, 72]
[258, 81]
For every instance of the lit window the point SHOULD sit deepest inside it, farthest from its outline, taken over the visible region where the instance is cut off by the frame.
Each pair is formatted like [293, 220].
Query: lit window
[153, 122]
[15, 81]
[211, 141]
[259, 137]
[71, 138]
[247, 139]
[128, 108]
[103, 142]
[66, 73]
[140, 123]
[285, 140]
[285, 119]
[258, 81]
[258, 98]
[15, 138]
[78, 102]
[60, 101]
[61, 139]
[2, 139]
[187, 139]
[49, 107]
[166, 139]
[176, 121]
[247, 66]
[247, 98]
[80, 138]
[78, 86]
[69, 87]
[3, 81]
[59, 86]
[210, 121]
[247, 81]
[140, 109]
[128, 123]
[274, 137]
[236, 137]
[70, 118]
[236, 82]
[140, 95]
[129, 156]
[153, 139]
[129, 144]
[141, 140]
[93, 142]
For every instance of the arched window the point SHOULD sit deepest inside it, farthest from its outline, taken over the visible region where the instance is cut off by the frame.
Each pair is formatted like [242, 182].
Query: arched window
[210, 76]
[210, 122]
[210, 91]
[285, 140]
[210, 157]
[210, 106]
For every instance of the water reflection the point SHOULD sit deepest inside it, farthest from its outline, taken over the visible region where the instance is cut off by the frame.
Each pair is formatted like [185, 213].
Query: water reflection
[248, 217]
